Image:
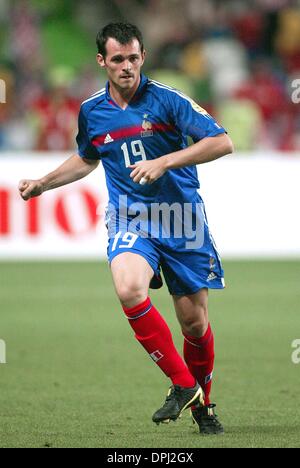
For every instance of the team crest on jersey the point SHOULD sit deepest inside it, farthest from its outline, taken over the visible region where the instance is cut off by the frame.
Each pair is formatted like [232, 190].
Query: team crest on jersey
[212, 263]
[147, 127]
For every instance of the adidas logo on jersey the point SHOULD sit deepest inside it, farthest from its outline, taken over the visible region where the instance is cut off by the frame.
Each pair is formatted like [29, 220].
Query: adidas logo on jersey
[108, 139]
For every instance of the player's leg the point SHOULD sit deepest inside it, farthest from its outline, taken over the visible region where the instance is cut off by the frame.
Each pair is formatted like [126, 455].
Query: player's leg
[192, 314]
[191, 267]
[131, 276]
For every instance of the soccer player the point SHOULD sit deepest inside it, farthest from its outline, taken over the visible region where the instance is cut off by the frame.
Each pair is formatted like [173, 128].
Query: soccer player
[138, 128]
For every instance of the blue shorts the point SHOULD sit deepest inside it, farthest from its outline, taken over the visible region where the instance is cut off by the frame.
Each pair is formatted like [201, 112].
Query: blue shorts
[186, 270]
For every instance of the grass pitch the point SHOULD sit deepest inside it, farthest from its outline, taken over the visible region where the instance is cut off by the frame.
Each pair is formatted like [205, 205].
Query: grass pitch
[75, 377]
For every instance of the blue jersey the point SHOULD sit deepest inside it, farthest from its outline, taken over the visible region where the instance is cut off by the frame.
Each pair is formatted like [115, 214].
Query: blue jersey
[157, 121]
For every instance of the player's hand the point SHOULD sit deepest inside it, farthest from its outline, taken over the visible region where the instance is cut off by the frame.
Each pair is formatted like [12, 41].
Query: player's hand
[30, 188]
[147, 172]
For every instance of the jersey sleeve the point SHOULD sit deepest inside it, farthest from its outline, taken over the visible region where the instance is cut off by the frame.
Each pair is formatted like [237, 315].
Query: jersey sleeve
[191, 119]
[85, 147]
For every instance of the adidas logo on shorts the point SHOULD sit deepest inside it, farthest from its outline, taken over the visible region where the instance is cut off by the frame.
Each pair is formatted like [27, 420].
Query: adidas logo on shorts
[211, 276]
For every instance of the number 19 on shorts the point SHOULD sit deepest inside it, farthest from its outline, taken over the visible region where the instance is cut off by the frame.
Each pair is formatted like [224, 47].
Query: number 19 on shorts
[126, 241]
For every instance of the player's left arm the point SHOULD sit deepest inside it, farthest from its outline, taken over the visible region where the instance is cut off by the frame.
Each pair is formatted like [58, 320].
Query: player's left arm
[203, 151]
[210, 139]
[206, 150]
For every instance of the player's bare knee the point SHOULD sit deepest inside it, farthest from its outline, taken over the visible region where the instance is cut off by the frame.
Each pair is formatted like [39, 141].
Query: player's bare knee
[196, 330]
[196, 327]
[131, 295]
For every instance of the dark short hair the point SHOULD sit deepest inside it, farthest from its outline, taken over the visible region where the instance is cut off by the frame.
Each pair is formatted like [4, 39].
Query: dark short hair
[124, 33]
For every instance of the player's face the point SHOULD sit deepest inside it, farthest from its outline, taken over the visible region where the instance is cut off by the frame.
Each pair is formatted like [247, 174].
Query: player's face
[123, 63]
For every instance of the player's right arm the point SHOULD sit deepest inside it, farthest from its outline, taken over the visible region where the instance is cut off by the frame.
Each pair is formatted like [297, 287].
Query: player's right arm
[72, 169]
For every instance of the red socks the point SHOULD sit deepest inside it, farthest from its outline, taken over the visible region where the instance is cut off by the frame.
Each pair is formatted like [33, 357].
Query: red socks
[199, 356]
[154, 335]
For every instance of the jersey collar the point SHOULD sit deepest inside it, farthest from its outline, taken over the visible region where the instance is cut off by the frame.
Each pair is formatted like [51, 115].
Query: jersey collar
[138, 93]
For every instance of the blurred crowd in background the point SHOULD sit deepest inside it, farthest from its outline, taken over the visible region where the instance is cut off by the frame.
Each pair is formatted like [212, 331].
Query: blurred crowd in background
[236, 58]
